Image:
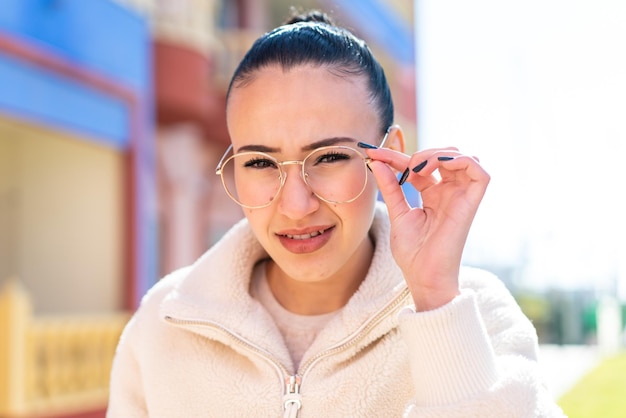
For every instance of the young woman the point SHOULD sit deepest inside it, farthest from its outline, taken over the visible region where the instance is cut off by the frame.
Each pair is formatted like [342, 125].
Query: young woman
[324, 302]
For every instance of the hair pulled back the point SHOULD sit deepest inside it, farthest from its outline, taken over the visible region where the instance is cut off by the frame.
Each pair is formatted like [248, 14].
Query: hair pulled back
[313, 39]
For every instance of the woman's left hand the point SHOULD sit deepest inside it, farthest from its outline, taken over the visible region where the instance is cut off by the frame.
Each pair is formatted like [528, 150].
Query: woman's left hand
[427, 242]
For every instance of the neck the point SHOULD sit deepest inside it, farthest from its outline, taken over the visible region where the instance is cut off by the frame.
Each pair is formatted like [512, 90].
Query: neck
[323, 296]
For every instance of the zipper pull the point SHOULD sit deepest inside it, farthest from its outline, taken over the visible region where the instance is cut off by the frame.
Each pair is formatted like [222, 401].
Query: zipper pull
[292, 400]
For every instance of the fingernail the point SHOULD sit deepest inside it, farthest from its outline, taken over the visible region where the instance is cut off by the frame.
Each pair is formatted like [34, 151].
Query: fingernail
[405, 175]
[445, 158]
[366, 145]
[420, 166]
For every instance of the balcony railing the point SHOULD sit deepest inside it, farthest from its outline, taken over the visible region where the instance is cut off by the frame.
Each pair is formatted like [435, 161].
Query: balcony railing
[53, 365]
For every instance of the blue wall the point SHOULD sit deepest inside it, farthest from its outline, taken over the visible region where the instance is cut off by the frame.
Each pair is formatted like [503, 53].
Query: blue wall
[96, 35]
[379, 23]
[32, 92]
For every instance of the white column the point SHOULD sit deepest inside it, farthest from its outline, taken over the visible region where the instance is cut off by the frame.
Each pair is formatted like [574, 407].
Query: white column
[181, 156]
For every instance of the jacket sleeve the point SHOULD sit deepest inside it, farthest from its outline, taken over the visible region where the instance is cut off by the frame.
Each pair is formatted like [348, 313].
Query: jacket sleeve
[475, 356]
[126, 395]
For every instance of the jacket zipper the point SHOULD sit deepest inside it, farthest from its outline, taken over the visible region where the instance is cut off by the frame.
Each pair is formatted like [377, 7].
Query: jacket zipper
[292, 401]
[343, 345]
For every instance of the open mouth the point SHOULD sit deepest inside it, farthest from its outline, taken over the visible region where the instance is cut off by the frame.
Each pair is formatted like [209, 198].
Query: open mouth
[305, 236]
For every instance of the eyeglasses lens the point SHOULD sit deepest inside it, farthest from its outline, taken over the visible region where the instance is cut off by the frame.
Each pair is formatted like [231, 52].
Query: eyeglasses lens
[335, 174]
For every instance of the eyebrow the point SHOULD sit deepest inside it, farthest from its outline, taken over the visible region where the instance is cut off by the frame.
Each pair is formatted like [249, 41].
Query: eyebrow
[309, 147]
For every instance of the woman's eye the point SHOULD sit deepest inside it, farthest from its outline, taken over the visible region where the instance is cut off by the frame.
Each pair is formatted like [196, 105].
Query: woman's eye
[260, 163]
[332, 157]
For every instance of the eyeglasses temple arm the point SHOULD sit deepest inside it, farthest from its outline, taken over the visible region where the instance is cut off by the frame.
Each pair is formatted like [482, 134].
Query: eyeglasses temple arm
[218, 169]
[382, 143]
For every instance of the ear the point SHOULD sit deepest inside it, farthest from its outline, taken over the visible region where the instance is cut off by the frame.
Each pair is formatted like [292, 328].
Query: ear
[395, 139]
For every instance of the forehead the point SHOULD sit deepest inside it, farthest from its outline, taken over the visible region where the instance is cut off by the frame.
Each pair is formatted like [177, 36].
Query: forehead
[305, 103]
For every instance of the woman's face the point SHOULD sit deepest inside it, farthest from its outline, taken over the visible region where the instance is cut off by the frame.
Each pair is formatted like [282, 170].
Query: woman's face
[286, 112]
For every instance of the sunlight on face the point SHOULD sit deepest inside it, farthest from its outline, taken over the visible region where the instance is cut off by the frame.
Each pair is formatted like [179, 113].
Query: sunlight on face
[285, 113]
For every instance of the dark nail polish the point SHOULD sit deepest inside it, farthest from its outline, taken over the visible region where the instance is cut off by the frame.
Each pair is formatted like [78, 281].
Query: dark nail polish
[405, 175]
[445, 158]
[420, 166]
[366, 145]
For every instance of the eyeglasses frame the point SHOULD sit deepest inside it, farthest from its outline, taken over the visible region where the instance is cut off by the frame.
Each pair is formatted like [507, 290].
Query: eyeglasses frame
[283, 173]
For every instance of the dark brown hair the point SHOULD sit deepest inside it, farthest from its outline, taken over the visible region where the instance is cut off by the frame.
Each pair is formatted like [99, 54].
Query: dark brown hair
[312, 38]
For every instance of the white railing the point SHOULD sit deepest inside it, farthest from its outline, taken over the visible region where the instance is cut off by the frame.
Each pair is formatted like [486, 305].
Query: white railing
[53, 364]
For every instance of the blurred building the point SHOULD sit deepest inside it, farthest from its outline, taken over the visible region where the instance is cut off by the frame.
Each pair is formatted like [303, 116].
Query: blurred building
[111, 124]
[76, 151]
[77, 197]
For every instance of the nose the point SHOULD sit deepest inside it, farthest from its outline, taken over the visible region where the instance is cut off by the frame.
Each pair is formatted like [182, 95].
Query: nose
[296, 199]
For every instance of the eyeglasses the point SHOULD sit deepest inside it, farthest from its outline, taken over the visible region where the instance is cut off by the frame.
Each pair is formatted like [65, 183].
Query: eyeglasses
[335, 174]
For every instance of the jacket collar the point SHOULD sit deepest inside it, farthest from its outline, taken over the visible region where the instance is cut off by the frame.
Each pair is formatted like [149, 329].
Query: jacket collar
[216, 289]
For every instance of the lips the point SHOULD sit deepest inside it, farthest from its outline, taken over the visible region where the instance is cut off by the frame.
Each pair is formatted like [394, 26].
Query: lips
[305, 240]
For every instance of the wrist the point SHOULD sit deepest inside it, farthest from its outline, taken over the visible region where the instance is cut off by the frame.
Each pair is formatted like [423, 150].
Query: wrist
[428, 300]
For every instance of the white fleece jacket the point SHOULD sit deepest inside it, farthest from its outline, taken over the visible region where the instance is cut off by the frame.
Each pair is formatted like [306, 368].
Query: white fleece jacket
[200, 346]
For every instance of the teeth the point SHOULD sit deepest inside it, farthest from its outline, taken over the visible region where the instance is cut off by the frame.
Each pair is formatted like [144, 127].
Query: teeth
[305, 236]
